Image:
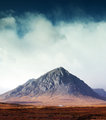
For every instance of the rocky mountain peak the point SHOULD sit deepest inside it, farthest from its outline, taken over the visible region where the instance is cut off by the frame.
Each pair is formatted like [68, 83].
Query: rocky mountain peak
[55, 77]
[58, 71]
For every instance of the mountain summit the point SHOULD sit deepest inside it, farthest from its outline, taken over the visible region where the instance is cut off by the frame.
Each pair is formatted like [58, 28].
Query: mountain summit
[58, 82]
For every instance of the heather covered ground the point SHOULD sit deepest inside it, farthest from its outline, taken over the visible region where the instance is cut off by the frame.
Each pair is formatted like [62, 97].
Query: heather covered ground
[25, 112]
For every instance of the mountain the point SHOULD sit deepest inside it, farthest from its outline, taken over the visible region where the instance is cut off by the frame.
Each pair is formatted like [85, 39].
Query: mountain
[58, 82]
[100, 92]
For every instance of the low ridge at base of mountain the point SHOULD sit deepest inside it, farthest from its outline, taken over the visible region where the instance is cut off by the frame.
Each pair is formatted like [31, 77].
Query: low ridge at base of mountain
[56, 100]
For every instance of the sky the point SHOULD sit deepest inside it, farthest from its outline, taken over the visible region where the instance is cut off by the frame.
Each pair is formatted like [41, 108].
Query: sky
[38, 36]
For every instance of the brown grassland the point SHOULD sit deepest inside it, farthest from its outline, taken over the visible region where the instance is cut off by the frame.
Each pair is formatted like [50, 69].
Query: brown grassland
[28, 112]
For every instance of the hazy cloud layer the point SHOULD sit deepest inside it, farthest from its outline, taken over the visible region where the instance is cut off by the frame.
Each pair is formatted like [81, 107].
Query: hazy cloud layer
[31, 45]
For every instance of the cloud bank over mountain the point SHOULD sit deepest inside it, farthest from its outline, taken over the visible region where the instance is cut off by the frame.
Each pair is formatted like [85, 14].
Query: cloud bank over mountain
[31, 45]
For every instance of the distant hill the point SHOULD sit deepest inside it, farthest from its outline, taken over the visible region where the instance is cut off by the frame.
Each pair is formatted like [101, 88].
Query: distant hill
[100, 92]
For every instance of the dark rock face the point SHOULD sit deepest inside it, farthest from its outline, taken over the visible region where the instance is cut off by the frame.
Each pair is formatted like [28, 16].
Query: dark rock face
[57, 81]
[100, 92]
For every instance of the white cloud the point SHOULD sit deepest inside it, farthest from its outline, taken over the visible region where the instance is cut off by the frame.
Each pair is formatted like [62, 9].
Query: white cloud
[32, 45]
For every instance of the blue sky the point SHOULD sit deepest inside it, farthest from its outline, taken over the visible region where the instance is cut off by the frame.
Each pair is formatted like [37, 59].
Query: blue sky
[36, 37]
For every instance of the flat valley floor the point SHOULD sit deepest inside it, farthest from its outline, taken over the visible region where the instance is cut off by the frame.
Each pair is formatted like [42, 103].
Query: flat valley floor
[25, 112]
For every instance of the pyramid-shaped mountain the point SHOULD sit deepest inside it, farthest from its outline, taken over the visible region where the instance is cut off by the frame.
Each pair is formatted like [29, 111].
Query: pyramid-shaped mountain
[56, 82]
